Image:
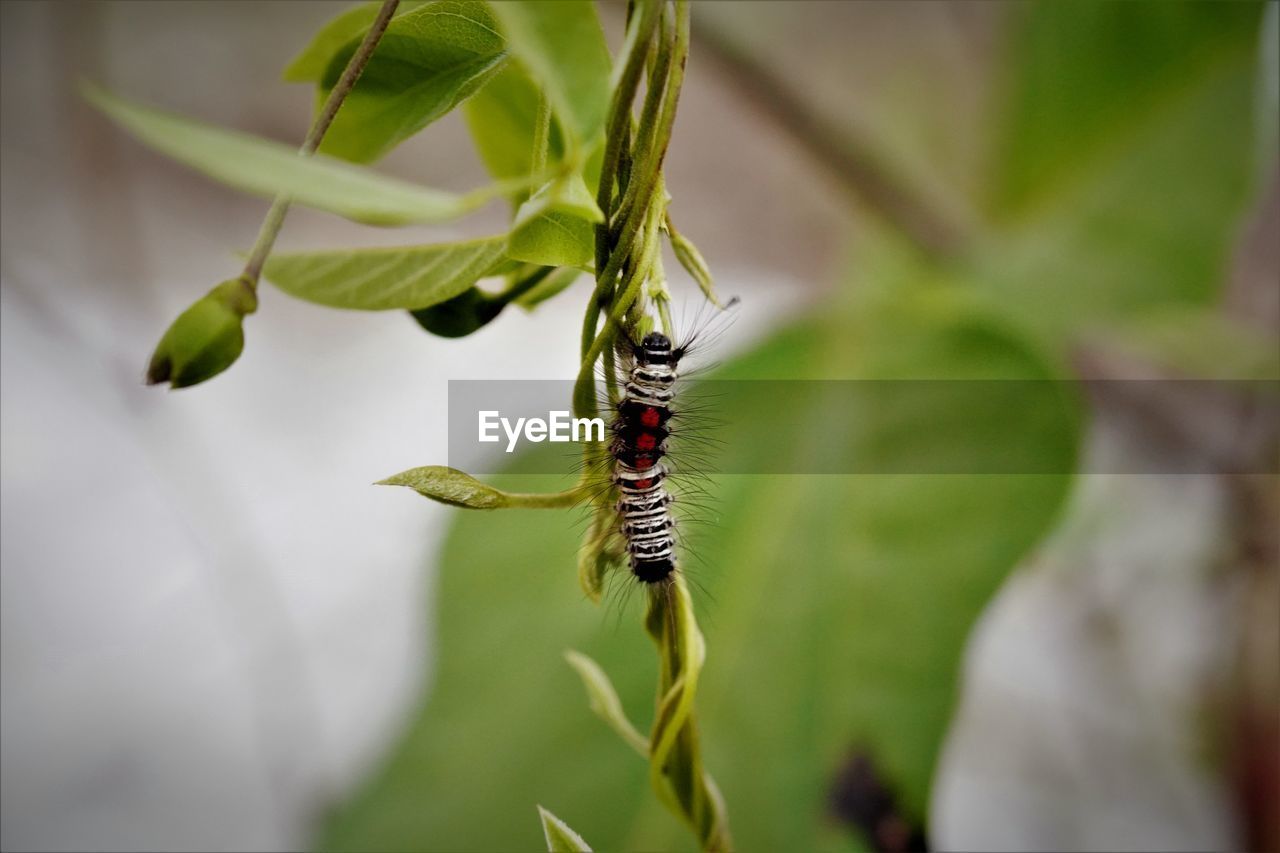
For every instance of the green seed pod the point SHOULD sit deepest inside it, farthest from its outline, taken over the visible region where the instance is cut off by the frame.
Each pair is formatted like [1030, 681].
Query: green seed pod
[206, 338]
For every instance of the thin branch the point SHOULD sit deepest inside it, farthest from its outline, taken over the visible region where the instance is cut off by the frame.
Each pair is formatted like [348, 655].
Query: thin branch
[849, 159]
[355, 67]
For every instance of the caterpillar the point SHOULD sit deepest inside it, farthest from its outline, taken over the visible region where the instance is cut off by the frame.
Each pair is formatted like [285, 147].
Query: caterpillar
[640, 434]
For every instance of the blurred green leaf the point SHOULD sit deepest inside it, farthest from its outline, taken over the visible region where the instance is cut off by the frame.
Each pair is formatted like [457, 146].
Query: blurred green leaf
[270, 168]
[501, 117]
[560, 838]
[1124, 161]
[561, 44]
[429, 60]
[309, 65]
[842, 604]
[1086, 76]
[381, 279]
[1268, 96]
[604, 700]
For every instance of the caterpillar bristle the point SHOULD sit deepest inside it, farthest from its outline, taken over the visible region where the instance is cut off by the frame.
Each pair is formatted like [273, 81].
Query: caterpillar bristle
[639, 443]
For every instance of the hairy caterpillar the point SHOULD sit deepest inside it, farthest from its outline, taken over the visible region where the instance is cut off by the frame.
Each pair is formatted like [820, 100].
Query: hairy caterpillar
[639, 443]
[632, 520]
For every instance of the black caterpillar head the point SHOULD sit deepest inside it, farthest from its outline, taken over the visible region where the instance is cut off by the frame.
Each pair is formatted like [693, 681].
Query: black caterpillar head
[654, 349]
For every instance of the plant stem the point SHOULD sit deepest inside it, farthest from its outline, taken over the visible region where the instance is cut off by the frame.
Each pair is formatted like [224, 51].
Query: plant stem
[274, 219]
[628, 255]
[675, 757]
[551, 500]
[624, 92]
[654, 132]
[850, 159]
[541, 137]
[617, 239]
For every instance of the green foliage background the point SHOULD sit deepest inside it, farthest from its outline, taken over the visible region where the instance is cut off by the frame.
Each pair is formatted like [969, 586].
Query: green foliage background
[1121, 163]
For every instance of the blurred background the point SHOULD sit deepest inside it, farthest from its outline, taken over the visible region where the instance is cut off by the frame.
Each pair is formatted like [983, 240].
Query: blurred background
[216, 635]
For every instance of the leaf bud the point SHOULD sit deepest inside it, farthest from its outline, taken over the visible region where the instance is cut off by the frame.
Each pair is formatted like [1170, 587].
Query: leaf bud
[206, 338]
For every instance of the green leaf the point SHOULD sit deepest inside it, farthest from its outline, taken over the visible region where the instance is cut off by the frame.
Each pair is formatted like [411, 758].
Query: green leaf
[1089, 72]
[568, 195]
[501, 117]
[381, 279]
[474, 308]
[468, 312]
[430, 59]
[605, 702]
[1124, 162]
[309, 65]
[449, 486]
[841, 605]
[554, 239]
[560, 838]
[269, 168]
[550, 286]
[554, 226]
[561, 44]
[691, 259]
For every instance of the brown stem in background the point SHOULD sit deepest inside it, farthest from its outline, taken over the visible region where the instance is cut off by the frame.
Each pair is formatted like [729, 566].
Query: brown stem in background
[849, 159]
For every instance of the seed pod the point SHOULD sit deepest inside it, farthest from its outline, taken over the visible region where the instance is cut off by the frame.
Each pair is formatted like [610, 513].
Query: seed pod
[206, 338]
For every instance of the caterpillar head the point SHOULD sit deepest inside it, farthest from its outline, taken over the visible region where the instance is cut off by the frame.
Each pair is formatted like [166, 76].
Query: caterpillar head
[654, 349]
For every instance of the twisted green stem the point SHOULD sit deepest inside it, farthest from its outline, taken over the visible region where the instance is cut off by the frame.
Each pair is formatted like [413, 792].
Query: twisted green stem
[628, 255]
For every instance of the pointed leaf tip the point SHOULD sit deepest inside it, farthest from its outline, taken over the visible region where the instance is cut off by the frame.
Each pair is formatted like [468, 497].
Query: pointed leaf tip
[560, 838]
